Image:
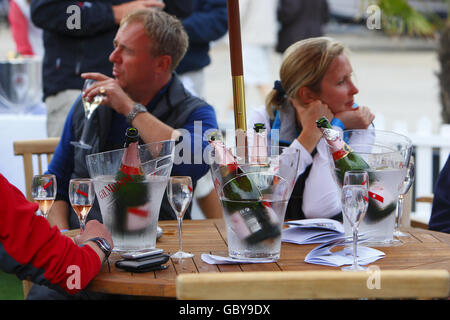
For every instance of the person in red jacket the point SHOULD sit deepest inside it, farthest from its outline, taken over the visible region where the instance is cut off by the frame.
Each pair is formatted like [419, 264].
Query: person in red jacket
[30, 248]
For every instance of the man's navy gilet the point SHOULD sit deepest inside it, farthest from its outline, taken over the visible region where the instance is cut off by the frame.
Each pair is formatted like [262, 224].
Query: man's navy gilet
[173, 108]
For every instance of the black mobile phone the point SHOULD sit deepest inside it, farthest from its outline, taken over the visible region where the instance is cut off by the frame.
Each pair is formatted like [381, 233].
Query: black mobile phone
[141, 254]
[145, 264]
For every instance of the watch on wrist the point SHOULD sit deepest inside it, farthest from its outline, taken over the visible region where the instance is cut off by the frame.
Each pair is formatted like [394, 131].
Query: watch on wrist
[103, 244]
[137, 108]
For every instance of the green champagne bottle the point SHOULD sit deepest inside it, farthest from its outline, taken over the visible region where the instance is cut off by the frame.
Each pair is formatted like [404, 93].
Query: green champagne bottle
[253, 219]
[131, 193]
[346, 159]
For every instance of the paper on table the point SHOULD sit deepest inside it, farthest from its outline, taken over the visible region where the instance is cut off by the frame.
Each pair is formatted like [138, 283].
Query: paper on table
[213, 259]
[322, 255]
[308, 231]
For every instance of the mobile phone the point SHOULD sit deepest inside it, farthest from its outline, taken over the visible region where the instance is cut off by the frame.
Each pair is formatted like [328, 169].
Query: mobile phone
[145, 264]
[141, 254]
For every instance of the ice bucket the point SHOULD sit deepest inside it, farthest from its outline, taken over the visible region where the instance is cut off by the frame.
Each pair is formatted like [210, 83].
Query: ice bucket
[20, 84]
[387, 154]
[133, 228]
[254, 225]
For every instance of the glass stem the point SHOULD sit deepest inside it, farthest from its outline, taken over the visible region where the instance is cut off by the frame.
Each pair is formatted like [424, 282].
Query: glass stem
[87, 129]
[399, 211]
[355, 251]
[180, 232]
[82, 224]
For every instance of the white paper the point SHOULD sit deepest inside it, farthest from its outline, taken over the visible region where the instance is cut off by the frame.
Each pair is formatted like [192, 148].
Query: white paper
[322, 255]
[307, 231]
[213, 259]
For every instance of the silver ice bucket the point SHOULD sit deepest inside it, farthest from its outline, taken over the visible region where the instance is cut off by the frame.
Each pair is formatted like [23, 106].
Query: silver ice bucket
[20, 84]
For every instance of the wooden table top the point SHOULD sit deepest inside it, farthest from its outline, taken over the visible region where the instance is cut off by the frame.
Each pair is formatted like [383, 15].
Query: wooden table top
[423, 250]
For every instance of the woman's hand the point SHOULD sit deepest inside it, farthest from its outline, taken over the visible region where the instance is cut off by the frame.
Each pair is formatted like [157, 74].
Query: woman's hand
[358, 118]
[306, 117]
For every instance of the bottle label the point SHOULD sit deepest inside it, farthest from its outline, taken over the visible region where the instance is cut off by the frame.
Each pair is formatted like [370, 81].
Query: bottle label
[339, 154]
[129, 170]
[239, 226]
[138, 218]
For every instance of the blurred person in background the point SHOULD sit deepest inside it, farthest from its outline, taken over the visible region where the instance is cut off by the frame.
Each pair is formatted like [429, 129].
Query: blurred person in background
[440, 212]
[300, 19]
[207, 23]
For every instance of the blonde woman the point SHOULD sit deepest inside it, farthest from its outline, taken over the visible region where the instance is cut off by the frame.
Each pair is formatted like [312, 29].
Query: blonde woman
[315, 80]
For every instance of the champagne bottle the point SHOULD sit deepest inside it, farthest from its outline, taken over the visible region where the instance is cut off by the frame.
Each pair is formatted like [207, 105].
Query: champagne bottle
[259, 154]
[346, 159]
[132, 194]
[253, 219]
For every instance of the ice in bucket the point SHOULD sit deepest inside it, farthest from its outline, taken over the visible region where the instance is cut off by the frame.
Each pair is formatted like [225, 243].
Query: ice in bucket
[254, 197]
[132, 222]
[388, 155]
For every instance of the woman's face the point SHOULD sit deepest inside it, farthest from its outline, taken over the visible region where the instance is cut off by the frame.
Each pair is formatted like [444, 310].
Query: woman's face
[337, 87]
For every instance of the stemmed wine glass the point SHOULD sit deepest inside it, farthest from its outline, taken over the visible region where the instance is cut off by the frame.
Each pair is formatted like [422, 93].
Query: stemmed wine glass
[355, 201]
[81, 196]
[405, 186]
[89, 107]
[43, 191]
[179, 193]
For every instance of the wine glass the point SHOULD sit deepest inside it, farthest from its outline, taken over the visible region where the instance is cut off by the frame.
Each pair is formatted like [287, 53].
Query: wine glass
[355, 201]
[179, 193]
[43, 191]
[406, 185]
[89, 107]
[81, 196]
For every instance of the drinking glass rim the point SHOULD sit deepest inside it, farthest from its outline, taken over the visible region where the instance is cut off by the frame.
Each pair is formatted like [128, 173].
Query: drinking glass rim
[408, 140]
[141, 145]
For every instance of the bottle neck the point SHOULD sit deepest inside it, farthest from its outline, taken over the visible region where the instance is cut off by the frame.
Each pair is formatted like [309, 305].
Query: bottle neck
[338, 148]
[131, 163]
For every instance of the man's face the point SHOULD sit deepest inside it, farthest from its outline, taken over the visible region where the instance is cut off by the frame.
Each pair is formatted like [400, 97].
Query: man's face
[131, 58]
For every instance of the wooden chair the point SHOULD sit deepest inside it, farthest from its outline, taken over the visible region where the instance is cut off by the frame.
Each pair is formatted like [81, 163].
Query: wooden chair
[26, 149]
[285, 285]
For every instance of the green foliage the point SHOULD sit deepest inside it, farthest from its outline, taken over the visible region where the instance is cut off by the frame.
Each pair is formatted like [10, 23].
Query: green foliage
[399, 18]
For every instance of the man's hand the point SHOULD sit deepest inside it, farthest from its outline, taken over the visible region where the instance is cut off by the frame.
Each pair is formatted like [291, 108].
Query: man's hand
[114, 96]
[358, 118]
[122, 10]
[94, 229]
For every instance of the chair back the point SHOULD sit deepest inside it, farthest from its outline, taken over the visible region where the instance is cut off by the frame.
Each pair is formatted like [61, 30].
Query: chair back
[288, 285]
[39, 148]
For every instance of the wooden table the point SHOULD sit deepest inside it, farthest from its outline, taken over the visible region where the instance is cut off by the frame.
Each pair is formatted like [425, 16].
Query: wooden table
[424, 250]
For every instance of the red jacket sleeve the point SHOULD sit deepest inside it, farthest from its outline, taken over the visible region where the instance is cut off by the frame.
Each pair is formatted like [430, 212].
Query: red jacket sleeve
[32, 249]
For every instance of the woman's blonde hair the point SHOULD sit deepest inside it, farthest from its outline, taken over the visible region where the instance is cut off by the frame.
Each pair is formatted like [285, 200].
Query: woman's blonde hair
[304, 65]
